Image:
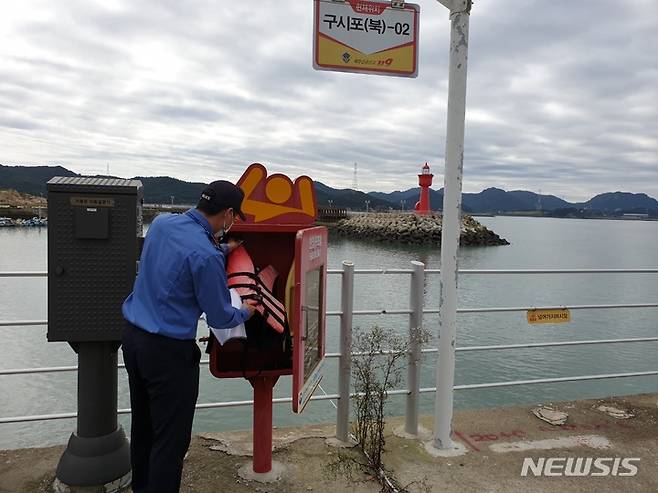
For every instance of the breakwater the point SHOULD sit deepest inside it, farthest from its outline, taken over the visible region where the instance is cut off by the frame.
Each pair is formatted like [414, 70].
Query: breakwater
[15, 215]
[7, 222]
[413, 229]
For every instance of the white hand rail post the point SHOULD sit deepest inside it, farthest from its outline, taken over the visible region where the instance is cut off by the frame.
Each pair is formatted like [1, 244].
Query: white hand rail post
[416, 302]
[345, 361]
[451, 228]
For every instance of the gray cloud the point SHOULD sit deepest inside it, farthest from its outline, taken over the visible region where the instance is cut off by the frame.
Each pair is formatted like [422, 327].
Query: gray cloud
[562, 95]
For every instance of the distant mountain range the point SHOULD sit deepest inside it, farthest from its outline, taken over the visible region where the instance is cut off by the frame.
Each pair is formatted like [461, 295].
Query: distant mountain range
[496, 200]
[489, 200]
[160, 189]
[157, 189]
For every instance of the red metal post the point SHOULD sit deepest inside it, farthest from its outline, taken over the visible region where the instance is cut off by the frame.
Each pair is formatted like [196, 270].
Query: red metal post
[262, 430]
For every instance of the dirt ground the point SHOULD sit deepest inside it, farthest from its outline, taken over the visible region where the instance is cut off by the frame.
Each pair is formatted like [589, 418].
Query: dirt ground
[494, 444]
[497, 441]
[305, 460]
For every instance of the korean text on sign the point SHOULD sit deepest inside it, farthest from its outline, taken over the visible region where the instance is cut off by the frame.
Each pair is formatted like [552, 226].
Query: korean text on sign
[366, 37]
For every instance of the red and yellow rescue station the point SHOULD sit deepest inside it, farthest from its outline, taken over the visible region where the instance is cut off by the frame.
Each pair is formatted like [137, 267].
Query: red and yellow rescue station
[288, 277]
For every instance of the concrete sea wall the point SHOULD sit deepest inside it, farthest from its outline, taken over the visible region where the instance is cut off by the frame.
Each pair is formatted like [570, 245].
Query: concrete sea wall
[413, 229]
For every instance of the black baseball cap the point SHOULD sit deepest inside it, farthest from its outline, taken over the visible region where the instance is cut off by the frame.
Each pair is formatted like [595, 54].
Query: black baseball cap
[222, 194]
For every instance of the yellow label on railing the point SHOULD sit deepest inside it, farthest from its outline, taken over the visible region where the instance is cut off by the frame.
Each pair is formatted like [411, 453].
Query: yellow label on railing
[560, 316]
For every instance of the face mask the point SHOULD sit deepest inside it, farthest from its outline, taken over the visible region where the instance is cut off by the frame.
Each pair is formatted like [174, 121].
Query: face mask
[224, 231]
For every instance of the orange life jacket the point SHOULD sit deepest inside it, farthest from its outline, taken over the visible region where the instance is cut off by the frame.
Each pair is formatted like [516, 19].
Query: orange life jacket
[242, 276]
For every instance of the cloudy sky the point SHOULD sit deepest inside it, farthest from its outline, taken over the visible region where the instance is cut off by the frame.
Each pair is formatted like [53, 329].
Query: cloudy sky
[562, 95]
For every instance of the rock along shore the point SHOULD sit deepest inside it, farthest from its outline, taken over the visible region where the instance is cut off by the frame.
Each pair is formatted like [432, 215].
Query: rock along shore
[413, 229]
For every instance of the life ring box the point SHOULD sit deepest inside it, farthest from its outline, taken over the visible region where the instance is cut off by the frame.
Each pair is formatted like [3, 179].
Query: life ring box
[281, 240]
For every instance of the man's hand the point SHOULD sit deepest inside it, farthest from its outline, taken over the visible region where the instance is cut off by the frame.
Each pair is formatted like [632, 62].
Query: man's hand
[250, 308]
[233, 244]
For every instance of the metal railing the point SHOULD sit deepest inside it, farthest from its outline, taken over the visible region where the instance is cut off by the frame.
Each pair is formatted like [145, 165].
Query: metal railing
[415, 312]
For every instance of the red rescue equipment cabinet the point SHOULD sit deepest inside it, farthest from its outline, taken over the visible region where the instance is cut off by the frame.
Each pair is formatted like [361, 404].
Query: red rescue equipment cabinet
[279, 231]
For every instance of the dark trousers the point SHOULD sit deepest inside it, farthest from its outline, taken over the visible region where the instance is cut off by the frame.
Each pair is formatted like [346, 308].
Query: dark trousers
[163, 374]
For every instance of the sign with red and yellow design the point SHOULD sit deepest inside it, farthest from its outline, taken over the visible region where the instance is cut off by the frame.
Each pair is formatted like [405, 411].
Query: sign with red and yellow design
[276, 199]
[549, 316]
[368, 37]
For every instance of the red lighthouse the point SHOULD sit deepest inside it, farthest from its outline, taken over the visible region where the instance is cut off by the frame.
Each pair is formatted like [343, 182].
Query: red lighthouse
[425, 182]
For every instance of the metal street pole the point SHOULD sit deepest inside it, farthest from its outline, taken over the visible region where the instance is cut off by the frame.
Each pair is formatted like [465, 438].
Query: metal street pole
[451, 227]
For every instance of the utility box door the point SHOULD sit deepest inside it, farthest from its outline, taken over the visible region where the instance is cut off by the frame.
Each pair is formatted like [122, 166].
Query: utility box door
[93, 230]
[309, 317]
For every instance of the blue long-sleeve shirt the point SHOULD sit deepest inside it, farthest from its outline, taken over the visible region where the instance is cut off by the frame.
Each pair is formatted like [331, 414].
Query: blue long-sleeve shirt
[181, 275]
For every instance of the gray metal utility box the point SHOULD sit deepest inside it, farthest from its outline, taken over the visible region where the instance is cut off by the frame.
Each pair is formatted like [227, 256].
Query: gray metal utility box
[94, 226]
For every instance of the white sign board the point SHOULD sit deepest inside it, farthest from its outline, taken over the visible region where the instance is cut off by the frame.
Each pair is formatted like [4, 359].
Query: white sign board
[366, 37]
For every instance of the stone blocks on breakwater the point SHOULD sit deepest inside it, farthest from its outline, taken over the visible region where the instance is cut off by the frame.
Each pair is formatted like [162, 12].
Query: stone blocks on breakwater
[413, 229]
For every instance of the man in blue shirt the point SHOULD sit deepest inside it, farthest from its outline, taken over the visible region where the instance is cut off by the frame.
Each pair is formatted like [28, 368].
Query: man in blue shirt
[182, 274]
